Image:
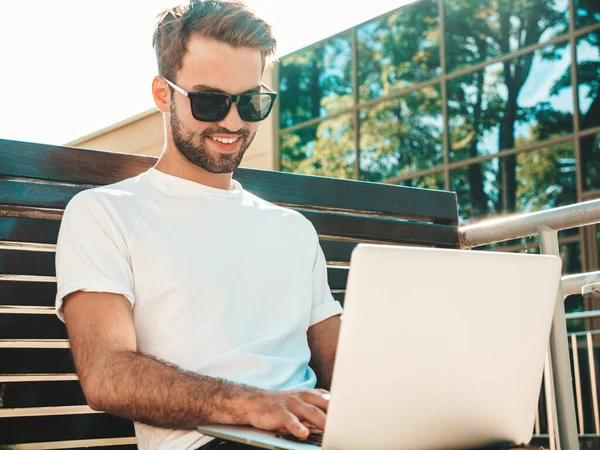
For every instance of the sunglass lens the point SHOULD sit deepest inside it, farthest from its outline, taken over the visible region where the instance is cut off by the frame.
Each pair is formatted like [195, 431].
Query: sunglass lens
[255, 107]
[208, 107]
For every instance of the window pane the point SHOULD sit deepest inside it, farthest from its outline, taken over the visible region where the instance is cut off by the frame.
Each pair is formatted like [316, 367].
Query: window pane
[588, 79]
[315, 81]
[433, 181]
[477, 31]
[399, 50]
[525, 182]
[402, 136]
[325, 149]
[587, 12]
[589, 151]
[506, 105]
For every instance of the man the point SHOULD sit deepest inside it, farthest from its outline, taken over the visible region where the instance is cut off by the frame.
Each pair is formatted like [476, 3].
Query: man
[187, 299]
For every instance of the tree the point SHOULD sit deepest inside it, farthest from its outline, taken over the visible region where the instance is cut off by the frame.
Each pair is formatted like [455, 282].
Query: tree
[476, 32]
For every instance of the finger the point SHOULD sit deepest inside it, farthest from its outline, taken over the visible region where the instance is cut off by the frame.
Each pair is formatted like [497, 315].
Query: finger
[311, 413]
[303, 422]
[293, 425]
[317, 399]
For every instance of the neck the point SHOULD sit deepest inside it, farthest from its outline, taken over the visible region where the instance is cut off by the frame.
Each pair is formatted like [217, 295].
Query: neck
[175, 164]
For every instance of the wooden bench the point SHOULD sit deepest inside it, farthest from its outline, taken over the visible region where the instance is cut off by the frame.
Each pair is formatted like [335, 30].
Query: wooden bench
[40, 397]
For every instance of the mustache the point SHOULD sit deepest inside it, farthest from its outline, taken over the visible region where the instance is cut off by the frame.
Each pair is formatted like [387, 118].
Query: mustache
[221, 130]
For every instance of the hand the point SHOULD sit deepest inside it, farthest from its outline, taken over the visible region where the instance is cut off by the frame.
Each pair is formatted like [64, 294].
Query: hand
[292, 411]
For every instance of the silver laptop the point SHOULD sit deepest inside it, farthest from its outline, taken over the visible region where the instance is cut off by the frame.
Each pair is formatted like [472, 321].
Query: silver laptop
[439, 349]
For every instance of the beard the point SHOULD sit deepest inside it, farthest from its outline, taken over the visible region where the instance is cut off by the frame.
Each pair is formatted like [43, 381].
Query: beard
[192, 146]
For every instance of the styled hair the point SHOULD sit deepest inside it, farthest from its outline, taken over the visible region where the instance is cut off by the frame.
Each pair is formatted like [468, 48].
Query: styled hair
[232, 23]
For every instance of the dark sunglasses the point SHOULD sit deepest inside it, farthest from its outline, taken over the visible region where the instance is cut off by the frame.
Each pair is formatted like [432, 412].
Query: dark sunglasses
[214, 106]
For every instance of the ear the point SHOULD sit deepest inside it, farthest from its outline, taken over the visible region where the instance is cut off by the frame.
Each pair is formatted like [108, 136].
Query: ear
[161, 94]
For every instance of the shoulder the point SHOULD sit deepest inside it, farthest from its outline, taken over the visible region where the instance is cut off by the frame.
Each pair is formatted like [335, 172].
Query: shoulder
[290, 216]
[118, 204]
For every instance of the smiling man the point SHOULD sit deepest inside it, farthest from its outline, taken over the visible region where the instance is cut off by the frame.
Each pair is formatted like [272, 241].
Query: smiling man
[187, 299]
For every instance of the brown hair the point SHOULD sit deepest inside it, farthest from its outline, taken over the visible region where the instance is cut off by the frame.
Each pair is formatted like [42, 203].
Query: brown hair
[230, 22]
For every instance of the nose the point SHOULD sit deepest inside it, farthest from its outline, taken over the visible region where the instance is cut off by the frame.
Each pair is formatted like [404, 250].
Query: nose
[232, 120]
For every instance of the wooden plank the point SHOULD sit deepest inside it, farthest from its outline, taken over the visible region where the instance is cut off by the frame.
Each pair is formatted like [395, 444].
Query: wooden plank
[326, 223]
[20, 430]
[339, 296]
[69, 165]
[27, 293]
[23, 262]
[337, 277]
[88, 444]
[43, 264]
[31, 326]
[21, 229]
[324, 192]
[48, 326]
[36, 394]
[35, 361]
[40, 195]
[384, 230]
[45, 162]
[337, 251]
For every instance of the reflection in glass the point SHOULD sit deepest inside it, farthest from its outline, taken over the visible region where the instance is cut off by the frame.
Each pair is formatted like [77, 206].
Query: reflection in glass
[315, 81]
[398, 50]
[588, 79]
[542, 179]
[508, 104]
[571, 257]
[587, 12]
[402, 136]
[433, 181]
[325, 149]
[477, 31]
[589, 151]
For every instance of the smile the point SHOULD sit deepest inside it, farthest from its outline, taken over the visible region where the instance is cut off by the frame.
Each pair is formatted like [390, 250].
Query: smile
[224, 140]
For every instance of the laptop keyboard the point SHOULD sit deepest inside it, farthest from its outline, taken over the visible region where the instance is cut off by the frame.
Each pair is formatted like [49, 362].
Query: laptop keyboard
[315, 437]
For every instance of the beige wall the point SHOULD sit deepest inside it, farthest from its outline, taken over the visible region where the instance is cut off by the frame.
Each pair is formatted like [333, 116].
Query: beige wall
[143, 135]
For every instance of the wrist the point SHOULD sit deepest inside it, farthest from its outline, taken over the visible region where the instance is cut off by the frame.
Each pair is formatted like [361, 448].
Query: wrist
[246, 405]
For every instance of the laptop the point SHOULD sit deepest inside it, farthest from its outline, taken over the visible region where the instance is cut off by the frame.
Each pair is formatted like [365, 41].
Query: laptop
[438, 349]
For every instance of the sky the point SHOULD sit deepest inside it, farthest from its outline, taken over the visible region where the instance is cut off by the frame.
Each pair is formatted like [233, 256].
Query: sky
[69, 68]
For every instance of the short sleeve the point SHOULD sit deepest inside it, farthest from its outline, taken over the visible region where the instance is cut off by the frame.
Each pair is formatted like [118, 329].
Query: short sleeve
[91, 255]
[323, 304]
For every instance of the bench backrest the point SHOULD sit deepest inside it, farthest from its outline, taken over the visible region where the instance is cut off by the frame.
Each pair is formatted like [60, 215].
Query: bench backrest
[40, 397]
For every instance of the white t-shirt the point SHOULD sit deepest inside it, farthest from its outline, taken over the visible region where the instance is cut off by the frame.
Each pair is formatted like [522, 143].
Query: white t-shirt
[221, 283]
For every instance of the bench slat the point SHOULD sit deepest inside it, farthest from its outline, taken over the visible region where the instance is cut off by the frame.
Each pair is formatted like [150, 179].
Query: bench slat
[63, 164]
[327, 224]
[383, 230]
[38, 195]
[108, 447]
[48, 326]
[18, 430]
[22, 262]
[27, 293]
[31, 326]
[39, 394]
[22, 229]
[35, 361]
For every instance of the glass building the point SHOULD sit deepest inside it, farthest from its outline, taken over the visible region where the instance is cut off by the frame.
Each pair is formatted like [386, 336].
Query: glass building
[496, 100]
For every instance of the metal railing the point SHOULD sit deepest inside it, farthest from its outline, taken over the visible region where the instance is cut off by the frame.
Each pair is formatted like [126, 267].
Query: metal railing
[561, 416]
[573, 284]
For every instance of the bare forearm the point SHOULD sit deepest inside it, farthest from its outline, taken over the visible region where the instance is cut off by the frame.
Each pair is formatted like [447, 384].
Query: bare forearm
[324, 374]
[144, 389]
[323, 339]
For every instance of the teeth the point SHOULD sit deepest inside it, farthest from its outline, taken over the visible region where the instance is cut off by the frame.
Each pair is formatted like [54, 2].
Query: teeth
[224, 140]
